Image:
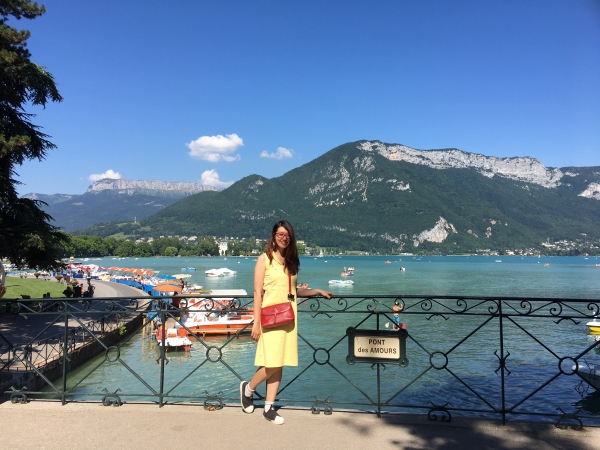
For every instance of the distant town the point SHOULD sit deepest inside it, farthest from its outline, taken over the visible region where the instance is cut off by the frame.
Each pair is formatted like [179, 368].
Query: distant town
[236, 246]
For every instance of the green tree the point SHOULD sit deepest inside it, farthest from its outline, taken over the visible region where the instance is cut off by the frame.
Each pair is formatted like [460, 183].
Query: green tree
[301, 248]
[143, 249]
[27, 237]
[111, 244]
[160, 245]
[125, 248]
[171, 251]
[208, 246]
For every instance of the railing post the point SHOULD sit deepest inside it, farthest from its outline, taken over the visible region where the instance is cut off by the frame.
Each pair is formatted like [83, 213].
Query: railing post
[65, 352]
[378, 379]
[502, 362]
[163, 319]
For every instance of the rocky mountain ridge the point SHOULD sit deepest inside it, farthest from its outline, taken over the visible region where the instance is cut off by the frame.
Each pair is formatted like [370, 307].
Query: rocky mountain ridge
[149, 187]
[525, 169]
[110, 199]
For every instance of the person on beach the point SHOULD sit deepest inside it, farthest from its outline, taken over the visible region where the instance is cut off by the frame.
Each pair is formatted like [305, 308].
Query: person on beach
[278, 346]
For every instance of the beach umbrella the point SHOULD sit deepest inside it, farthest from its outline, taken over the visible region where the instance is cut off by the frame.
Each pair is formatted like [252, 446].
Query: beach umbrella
[167, 288]
[114, 268]
[148, 272]
[138, 271]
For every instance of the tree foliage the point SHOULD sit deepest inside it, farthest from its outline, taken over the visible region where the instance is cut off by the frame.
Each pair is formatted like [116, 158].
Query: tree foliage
[27, 237]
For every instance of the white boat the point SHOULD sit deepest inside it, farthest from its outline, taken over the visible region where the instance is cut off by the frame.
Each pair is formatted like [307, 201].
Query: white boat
[175, 339]
[222, 272]
[589, 373]
[341, 282]
[205, 316]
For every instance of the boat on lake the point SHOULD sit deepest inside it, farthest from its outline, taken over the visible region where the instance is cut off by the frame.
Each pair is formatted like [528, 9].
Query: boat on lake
[341, 282]
[222, 272]
[217, 316]
[175, 339]
[594, 325]
[589, 373]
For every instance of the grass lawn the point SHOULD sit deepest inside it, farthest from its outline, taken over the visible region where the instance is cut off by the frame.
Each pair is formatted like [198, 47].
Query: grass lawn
[15, 287]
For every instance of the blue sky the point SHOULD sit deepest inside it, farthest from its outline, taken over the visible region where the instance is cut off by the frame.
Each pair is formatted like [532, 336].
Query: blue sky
[218, 90]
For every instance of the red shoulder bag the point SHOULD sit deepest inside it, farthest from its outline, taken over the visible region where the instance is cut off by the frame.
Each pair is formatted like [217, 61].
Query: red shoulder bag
[280, 313]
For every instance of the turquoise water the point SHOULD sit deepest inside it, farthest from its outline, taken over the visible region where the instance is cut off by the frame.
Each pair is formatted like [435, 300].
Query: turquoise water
[567, 277]
[472, 380]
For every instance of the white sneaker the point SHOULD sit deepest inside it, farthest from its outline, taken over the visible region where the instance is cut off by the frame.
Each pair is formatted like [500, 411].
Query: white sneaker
[247, 402]
[272, 416]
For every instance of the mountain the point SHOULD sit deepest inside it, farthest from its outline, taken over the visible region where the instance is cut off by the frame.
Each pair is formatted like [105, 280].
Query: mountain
[109, 199]
[371, 195]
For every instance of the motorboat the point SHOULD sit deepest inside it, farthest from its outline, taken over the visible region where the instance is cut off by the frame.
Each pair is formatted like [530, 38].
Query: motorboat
[589, 373]
[341, 282]
[347, 272]
[188, 268]
[175, 339]
[594, 325]
[388, 262]
[402, 269]
[222, 272]
[216, 316]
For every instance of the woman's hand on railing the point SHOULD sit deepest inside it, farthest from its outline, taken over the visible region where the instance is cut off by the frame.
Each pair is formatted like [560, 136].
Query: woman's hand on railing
[313, 293]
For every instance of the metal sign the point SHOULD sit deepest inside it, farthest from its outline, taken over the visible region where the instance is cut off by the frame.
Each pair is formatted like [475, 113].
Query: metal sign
[377, 346]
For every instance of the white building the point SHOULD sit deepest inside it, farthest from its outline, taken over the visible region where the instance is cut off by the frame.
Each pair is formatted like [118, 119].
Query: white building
[222, 247]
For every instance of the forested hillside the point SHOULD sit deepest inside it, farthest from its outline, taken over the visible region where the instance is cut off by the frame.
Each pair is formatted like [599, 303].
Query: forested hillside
[354, 199]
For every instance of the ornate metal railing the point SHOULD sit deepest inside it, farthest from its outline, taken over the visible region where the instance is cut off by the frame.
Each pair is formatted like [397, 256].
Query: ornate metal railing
[489, 356]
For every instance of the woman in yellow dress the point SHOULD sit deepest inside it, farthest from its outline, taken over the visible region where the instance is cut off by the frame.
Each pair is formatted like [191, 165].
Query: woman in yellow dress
[276, 347]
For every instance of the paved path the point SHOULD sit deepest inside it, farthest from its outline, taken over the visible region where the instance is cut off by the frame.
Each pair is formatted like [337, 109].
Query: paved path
[17, 330]
[21, 329]
[50, 426]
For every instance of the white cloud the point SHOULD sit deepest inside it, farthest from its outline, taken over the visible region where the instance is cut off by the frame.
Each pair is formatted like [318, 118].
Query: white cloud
[108, 174]
[216, 148]
[281, 153]
[211, 178]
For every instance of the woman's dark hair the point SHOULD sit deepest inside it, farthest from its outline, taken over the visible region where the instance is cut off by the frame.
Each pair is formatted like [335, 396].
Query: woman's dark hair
[290, 254]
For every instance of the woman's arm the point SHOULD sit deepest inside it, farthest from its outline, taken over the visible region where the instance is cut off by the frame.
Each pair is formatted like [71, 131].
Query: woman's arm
[259, 281]
[313, 293]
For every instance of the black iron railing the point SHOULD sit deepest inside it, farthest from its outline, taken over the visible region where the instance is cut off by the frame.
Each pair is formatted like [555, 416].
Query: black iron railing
[489, 356]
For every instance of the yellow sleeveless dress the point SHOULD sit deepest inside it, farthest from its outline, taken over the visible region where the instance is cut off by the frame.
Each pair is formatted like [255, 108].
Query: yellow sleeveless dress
[278, 347]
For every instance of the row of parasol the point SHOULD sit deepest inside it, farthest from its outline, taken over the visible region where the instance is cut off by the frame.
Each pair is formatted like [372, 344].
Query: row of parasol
[133, 271]
[171, 285]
